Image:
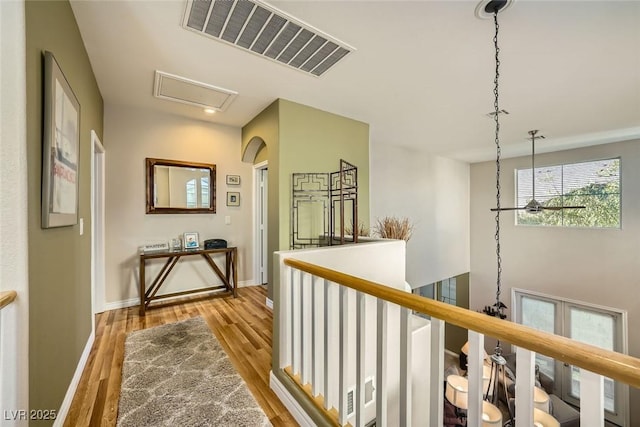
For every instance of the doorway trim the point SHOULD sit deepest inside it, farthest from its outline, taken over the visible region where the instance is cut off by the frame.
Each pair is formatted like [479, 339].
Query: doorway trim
[260, 227]
[97, 226]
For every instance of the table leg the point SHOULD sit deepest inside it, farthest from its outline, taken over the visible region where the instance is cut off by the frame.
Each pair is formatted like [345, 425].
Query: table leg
[234, 267]
[142, 286]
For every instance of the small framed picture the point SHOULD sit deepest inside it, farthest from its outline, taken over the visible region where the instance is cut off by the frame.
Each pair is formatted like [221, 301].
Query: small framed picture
[233, 198]
[233, 179]
[191, 240]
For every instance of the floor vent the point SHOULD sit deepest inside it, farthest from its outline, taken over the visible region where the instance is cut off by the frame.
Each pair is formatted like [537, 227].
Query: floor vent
[266, 31]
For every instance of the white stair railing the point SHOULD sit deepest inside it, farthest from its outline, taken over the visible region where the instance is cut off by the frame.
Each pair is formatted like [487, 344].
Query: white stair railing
[338, 334]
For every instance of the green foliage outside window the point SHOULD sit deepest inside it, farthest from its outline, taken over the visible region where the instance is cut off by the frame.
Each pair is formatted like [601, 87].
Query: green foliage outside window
[595, 185]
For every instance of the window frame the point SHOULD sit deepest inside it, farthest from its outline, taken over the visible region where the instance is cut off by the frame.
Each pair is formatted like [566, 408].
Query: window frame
[562, 165]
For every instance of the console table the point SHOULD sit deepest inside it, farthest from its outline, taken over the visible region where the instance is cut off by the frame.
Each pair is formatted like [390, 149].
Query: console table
[229, 277]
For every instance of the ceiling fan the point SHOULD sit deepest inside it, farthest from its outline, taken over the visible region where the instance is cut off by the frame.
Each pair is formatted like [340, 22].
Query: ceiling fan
[534, 206]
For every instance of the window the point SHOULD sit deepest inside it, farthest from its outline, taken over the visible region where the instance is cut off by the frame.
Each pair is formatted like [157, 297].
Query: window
[599, 326]
[447, 291]
[594, 184]
[204, 191]
[192, 194]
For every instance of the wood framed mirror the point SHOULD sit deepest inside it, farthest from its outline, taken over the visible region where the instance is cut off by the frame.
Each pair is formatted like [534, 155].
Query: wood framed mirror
[175, 186]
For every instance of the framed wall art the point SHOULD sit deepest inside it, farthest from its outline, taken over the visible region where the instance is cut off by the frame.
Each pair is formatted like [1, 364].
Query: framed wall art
[233, 179]
[191, 240]
[60, 152]
[233, 198]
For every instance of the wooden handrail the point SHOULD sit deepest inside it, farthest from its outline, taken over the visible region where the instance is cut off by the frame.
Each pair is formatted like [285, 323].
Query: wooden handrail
[7, 297]
[614, 365]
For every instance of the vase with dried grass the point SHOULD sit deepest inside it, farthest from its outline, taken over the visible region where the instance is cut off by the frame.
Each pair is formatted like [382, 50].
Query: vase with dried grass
[391, 227]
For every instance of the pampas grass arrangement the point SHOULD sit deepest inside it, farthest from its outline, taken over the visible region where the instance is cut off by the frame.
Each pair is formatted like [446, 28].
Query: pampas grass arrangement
[391, 227]
[362, 229]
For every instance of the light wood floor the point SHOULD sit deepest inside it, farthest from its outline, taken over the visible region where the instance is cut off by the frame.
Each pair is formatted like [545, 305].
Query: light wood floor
[242, 325]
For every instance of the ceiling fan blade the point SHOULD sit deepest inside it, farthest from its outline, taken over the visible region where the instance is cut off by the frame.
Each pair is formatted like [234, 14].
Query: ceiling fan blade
[559, 208]
[506, 209]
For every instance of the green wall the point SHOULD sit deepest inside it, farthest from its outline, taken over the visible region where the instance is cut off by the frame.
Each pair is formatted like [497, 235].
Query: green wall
[312, 140]
[59, 258]
[266, 127]
[304, 139]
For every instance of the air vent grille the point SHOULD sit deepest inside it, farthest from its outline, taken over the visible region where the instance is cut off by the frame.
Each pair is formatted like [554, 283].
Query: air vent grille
[180, 89]
[262, 29]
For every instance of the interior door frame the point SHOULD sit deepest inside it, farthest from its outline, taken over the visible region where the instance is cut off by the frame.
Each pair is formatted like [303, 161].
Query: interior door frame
[260, 258]
[97, 226]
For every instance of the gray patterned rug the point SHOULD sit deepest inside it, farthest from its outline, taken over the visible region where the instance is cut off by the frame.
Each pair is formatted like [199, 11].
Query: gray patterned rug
[179, 375]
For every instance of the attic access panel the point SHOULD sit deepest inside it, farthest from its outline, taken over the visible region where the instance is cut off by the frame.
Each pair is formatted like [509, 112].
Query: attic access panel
[259, 28]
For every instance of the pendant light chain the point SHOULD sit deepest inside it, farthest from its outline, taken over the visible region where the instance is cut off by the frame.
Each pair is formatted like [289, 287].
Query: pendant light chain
[496, 117]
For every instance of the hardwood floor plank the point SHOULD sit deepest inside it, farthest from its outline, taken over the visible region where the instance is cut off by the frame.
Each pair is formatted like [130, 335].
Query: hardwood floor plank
[242, 325]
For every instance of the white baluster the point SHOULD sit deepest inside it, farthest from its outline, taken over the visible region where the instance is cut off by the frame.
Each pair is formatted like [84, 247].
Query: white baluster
[381, 365]
[327, 330]
[525, 374]
[591, 399]
[437, 373]
[343, 353]
[296, 333]
[405, 368]
[360, 359]
[306, 318]
[475, 361]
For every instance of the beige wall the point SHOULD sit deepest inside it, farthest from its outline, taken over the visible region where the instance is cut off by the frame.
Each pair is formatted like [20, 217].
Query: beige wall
[134, 135]
[59, 258]
[591, 265]
[434, 193]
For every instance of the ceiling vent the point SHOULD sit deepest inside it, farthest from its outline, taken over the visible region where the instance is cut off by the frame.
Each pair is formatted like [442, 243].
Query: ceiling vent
[264, 30]
[180, 89]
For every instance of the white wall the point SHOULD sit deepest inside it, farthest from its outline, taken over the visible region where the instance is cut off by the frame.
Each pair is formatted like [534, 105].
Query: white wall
[14, 329]
[592, 265]
[130, 136]
[434, 193]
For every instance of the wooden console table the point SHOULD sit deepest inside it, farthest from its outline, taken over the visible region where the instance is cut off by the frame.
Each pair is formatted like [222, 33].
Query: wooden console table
[229, 277]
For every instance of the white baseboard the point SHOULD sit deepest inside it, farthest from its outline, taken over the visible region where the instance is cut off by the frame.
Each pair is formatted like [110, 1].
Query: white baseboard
[289, 402]
[269, 303]
[121, 304]
[73, 386]
[132, 302]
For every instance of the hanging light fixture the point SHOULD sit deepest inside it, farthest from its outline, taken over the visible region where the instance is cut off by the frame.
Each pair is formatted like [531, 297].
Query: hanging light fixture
[498, 362]
[493, 7]
[457, 393]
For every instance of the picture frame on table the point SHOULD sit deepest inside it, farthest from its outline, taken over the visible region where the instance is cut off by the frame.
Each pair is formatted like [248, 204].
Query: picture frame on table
[60, 148]
[233, 198]
[233, 179]
[190, 240]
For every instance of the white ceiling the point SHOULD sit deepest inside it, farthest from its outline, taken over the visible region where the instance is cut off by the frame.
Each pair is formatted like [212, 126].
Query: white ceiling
[422, 74]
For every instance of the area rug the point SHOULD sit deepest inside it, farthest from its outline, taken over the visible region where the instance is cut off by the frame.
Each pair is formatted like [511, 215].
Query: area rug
[179, 375]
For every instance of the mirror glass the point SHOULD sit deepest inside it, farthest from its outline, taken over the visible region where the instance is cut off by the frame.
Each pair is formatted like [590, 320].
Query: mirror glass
[180, 187]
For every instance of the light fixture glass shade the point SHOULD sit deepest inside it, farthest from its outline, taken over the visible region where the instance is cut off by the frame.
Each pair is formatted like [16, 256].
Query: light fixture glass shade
[457, 391]
[540, 399]
[542, 419]
[491, 415]
[465, 350]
